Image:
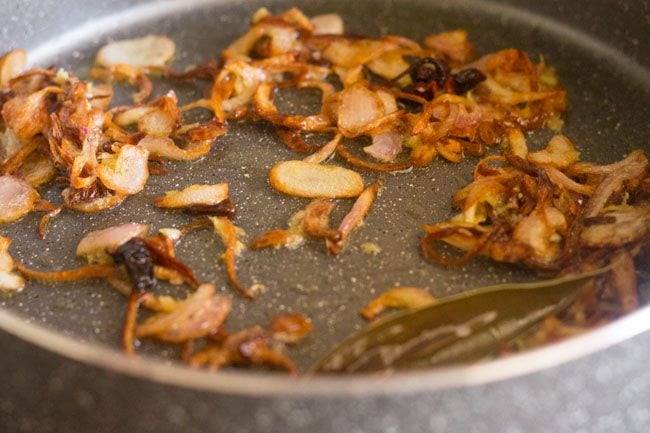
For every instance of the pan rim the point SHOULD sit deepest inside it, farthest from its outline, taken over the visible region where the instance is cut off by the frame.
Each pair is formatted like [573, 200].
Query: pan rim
[259, 384]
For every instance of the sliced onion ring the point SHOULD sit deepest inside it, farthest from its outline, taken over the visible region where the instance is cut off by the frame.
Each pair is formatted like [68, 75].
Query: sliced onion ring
[304, 179]
[126, 172]
[151, 50]
[193, 195]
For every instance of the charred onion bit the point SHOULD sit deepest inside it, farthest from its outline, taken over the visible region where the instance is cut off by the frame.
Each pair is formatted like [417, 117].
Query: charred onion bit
[465, 80]
[164, 255]
[430, 75]
[224, 208]
[138, 261]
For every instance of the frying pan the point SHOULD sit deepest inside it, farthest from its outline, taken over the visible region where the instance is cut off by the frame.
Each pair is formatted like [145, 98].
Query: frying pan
[63, 372]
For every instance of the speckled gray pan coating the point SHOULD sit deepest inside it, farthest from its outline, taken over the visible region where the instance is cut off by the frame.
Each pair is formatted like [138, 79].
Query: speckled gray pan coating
[608, 96]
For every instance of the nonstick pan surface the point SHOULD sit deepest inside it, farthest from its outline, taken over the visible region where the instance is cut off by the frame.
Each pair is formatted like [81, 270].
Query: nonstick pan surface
[608, 95]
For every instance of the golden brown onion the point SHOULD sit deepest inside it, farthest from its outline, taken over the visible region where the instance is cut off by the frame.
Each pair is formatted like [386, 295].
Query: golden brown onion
[126, 171]
[12, 65]
[304, 179]
[397, 297]
[9, 280]
[151, 50]
[354, 218]
[192, 195]
[200, 314]
[17, 198]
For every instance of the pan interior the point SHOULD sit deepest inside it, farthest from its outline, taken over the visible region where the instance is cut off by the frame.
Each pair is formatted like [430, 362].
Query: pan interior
[607, 117]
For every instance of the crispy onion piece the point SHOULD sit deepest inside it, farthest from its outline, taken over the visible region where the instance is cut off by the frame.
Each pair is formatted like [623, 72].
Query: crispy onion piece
[46, 220]
[635, 165]
[156, 123]
[586, 168]
[385, 146]
[235, 87]
[12, 64]
[94, 205]
[391, 66]
[294, 140]
[162, 250]
[348, 52]
[477, 198]
[96, 245]
[252, 346]
[325, 152]
[278, 239]
[19, 155]
[136, 298]
[311, 222]
[397, 297]
[193, 195]
[517, 143]
[328, 24]
[450, 149]
[562, 180]
[280, 37]
[159, 304]
[204, 132]
[17, 198]
[290, 328]
[616, 226]
[126, 171]
[360, 107]
[199, 315]
[541, 232]
[267, 110]
[559, 153]
[166, 148]
[130, 115]
[343, 151]
[309, 180]
[314, 221]
[9, 144]
[27, 115]
[9, 280]
[502, 95]
[132, 75]
[151, 50]
[88, 272]
[354, 218]
[453, 46]
[224, 208]
[228, 233]
[36, 170]
[473, 239]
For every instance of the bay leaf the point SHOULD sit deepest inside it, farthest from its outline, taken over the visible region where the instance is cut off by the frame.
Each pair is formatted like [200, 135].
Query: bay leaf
[460, 329]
